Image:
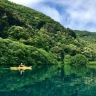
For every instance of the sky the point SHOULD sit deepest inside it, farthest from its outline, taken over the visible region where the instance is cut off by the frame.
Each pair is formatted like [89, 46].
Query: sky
[74, 14]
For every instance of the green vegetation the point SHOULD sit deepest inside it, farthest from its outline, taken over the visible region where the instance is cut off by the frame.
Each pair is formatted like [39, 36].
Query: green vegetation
[79, 59]
[92, 63]
[33, 38]
[88, 39]
[12, 52]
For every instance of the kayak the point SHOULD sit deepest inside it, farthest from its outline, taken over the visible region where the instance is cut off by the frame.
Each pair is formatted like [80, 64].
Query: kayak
[21, 68]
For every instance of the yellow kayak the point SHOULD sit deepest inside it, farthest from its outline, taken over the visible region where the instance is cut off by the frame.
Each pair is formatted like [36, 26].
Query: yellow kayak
[21, 68]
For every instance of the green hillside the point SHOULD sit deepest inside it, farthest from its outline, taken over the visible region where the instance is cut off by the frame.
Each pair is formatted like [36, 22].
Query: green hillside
[89, 40]
[31, 37]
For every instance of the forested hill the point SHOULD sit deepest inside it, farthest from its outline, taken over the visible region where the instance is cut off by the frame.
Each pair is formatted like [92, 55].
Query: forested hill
[89, 41]
[87, 37]
[31, 37]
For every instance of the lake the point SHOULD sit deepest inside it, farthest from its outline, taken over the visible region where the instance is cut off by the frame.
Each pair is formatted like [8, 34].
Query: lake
[49, 80]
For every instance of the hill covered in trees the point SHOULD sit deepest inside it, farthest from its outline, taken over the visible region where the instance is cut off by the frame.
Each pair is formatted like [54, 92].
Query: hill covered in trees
[31, 37]
[89, 41]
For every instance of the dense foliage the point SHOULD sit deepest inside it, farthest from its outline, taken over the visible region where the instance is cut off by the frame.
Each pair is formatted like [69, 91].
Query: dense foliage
[31, 37]
[88, 39]
[12, 52]
[78, 59]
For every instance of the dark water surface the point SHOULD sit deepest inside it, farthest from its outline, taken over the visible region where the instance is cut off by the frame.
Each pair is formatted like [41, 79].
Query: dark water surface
[48, 80]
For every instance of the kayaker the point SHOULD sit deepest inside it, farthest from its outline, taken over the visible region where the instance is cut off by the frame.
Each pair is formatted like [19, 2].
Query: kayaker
[21, 70]
[21, 65]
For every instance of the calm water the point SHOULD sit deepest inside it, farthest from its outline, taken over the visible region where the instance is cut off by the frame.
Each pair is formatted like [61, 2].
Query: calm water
[48, 80]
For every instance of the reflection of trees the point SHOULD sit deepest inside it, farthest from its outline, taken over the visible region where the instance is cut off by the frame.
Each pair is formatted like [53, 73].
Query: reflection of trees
[62, 72]
[44, 80]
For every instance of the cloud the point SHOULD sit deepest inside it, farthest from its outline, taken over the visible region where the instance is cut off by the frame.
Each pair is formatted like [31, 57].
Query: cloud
[24, 2]
[75, 14]
[82, 14]
[52, 12]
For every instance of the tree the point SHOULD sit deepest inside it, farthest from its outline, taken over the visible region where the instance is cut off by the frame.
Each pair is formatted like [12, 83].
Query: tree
[71, 32]
[18, 32]
[78, 59]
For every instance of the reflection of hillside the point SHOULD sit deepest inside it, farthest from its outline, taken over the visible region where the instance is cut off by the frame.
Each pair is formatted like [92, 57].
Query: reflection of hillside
[48, 80]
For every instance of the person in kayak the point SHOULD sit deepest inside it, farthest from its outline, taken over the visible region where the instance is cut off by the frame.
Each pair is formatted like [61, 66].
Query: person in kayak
[21, 65]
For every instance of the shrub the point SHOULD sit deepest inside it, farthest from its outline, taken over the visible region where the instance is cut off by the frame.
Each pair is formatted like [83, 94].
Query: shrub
[78, 59]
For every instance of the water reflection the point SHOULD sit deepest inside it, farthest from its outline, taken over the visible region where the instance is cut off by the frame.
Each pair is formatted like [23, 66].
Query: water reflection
[21, 71]
[49, 80]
